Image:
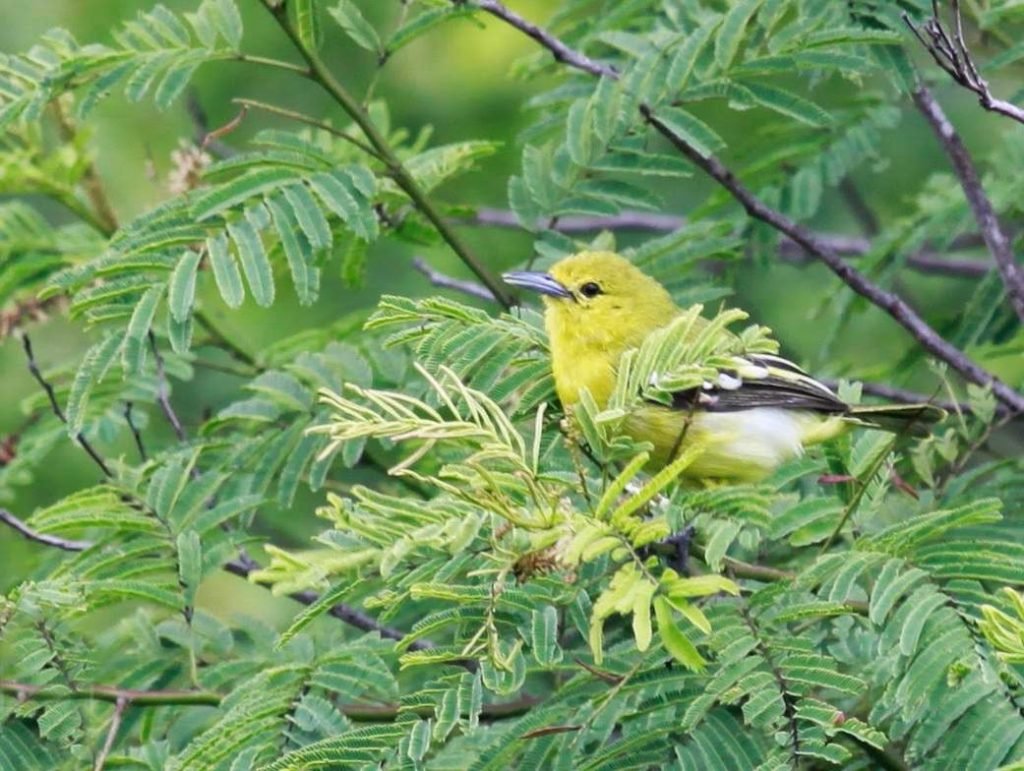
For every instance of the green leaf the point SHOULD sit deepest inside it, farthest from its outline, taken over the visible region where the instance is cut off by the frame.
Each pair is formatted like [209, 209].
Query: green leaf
[225, 270]
[190, 564]
[309, 216]
[133, 354]
[544, 636]
[239, 190]
[339, 192]
[307, 23]
[297, 250]
[351, 19]
[227, 20]
[181, 290]
[94, 366]
[685, 59]
[423, 23]
[789, 104]
[324, 603]
[672, 637]
[692, 129]
[730, 34]
[255, 263]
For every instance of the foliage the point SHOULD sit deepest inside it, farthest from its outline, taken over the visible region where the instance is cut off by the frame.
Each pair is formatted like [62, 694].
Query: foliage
[498, 585]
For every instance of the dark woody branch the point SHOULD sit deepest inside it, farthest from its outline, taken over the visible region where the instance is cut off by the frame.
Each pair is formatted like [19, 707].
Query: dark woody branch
[984, 213]
[950, 52]
[926, 260]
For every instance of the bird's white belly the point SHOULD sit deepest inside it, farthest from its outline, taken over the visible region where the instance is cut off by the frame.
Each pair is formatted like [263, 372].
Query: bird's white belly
[764, 437]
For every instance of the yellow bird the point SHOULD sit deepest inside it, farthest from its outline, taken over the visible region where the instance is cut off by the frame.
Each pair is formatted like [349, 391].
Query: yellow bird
[598, 305]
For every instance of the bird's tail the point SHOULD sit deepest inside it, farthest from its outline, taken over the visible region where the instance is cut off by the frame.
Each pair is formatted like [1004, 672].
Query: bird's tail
[909, 419]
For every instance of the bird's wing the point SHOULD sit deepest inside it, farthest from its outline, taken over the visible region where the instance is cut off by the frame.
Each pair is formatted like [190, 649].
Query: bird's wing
[761, 380]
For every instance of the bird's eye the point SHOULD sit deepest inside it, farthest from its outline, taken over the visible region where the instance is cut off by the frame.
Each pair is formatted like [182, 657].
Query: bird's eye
[590, 289]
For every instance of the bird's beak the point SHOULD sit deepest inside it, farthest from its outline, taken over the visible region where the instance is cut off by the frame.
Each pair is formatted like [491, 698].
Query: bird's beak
[536, 281]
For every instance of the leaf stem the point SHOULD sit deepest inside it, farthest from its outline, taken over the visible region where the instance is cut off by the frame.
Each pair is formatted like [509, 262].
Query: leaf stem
[310, 121]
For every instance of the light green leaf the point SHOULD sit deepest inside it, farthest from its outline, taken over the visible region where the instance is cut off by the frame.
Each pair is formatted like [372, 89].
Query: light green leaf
[307, 23]
[305, 275]
[255, 263]
[181, 290]
[225, 270]
[692, 129]
[190, 564]
[133, 354]
[730, 34]
[675, 642]
[351, 19]
[789, 104]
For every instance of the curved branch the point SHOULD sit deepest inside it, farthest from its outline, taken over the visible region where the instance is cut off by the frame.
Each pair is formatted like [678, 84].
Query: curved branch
[951, 53]
[927, 261]
[984, 213]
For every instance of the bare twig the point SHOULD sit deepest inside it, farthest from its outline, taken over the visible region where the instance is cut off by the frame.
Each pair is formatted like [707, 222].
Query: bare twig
[120, 705]
[163, 392]
[925, 260]
[33, 367]
[445, 281]
[308, 120]
[65, 544]
[128, 408]
[201, 129]
[905, 396]
[895, 306]
[859, 207]
[984, 214]
[951, 53]
[558, 49]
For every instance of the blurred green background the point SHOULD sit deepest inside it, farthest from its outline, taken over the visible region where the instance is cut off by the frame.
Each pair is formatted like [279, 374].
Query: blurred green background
[460, 80]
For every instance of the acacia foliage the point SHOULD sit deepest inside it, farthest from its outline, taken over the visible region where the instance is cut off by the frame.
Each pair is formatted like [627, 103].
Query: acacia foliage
[543, 621]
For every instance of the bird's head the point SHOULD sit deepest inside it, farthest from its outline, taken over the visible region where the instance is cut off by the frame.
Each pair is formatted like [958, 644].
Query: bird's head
[598, 299]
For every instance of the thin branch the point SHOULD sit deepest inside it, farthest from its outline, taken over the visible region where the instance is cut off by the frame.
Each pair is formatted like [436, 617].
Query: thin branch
[892, 304]
[113, 694]
[163, 391]
[984, 213]
[128, 407]
[859, 207]
[201, 129]
[951, 53]
[310, 121]
[218, 338]
[120, 705]
[65, 544]
[906, 396]
[558, 49]
[322, 76]
[130, 697]
[33, 367]
[925, 260]
[445, 281]
[241, 566]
